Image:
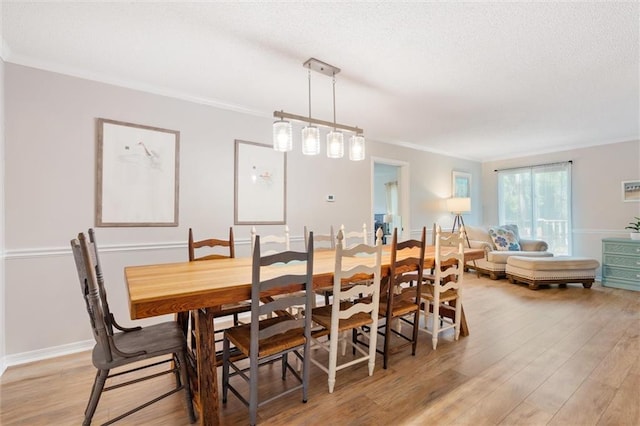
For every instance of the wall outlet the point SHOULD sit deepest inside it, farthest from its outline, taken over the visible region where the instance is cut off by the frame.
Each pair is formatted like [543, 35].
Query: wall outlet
[331, 198]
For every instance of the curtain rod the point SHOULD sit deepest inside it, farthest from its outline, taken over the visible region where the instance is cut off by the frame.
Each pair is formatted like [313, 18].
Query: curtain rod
[537, 165]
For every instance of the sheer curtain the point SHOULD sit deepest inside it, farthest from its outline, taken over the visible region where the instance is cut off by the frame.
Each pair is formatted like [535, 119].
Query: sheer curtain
[392, 206]
[538, 200]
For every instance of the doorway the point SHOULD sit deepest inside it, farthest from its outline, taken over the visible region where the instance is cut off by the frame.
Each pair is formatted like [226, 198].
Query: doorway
[390, 195]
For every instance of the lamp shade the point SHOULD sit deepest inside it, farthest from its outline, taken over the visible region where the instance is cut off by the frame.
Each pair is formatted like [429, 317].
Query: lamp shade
[310, 140]
[459, 204]
[282, 136]
[356, 148]
[335, 144]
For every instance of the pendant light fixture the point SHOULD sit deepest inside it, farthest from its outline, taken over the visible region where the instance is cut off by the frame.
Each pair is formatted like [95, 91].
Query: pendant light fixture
[282, 136]
[310, 133]
[335, 140]
[282, 130]
[356, 148]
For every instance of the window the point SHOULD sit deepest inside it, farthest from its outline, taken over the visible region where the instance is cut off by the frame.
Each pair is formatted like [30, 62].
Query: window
[538, 200]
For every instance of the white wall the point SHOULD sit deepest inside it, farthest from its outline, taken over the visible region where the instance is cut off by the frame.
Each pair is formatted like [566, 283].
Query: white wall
[597, 207]
[50, 181]
[3, 330]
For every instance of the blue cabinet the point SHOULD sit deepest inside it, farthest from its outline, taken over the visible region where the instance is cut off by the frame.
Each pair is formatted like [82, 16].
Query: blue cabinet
[621, 263]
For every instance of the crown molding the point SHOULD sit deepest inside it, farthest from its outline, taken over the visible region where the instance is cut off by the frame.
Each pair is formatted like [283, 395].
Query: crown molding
[32, 62]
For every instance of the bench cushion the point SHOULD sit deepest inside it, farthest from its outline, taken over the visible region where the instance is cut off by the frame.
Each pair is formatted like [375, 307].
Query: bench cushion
[549, 270]
[557, 263]
[501, 257]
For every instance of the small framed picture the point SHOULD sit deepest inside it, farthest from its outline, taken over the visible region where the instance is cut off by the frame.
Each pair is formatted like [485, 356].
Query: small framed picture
[631, 190]
[260, 184]
[460, 184]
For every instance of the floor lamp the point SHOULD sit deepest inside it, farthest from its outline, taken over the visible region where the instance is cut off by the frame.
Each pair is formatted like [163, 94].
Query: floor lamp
[457, 206]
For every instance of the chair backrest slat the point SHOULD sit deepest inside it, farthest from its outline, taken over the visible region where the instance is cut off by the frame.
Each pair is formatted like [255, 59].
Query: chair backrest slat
[91, 293]
[366, 276]
[261, 290]
[358, 237]
[228, 246]
[321, 241]
[271, 243]
[405, 269]
[453, 271]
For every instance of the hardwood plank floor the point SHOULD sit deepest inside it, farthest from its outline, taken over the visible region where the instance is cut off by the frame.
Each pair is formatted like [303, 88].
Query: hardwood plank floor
[556, 356]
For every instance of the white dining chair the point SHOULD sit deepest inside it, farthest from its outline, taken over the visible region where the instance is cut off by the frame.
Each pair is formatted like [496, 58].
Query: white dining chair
[445, 291]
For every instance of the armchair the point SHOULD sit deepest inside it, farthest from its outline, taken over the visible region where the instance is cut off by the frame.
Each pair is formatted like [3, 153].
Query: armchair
[495, 257]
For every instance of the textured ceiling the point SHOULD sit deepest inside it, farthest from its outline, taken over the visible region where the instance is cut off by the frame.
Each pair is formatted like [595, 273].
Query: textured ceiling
[478, 80]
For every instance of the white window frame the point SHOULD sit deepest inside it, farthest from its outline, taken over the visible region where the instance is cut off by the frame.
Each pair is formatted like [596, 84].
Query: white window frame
[556, 230]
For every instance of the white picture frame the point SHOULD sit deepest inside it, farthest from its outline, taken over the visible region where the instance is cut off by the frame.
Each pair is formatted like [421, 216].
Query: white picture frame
[631, 191]
[137, 175]
[260, 196]
[460, 184]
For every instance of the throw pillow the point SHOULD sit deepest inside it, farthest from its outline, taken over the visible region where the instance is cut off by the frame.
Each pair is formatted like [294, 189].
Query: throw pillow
[504, 239]
[513, 228]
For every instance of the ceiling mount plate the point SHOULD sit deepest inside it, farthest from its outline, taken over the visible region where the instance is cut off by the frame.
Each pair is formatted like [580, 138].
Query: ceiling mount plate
[321, 67]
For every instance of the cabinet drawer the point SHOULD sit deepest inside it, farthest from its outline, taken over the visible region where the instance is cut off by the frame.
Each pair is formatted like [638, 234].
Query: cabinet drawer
[625, 261]
[621, 248]
[622, 273]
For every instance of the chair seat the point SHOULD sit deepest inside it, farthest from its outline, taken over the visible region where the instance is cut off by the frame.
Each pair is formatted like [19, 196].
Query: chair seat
[155, 340]
[322, 316]
[399, 309]
[233, 308]
[240, 336]
[446, 296]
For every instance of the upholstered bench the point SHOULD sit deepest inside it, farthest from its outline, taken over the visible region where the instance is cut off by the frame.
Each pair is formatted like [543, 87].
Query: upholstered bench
[551, 270]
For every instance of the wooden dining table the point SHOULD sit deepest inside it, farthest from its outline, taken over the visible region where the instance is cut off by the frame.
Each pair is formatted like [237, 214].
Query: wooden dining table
[204, 286]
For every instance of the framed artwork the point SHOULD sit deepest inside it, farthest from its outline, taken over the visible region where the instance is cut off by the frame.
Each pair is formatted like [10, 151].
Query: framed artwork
[460, 184]
[138, 169]
[631, 190]
[260, 195]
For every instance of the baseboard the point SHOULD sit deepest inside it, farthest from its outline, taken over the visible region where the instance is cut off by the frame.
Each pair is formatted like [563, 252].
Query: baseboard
[46, 353]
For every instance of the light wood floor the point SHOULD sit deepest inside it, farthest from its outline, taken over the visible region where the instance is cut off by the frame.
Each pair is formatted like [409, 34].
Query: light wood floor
[556, 356]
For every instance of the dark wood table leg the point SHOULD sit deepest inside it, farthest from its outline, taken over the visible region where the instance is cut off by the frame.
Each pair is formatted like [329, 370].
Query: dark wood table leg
[207, 374]
[449, 312]
[464, 328]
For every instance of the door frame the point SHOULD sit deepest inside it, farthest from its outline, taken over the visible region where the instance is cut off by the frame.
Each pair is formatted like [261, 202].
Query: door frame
[403, 184]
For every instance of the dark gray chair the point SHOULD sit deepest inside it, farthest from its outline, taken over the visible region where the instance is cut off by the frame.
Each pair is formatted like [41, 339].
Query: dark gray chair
[270, 339]
[114, 350]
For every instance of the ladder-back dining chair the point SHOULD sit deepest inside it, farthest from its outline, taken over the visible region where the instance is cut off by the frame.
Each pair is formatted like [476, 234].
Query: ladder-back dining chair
[353, 307]
[400, 297]
[136, 348]
[322, 242]
[267, 339]
[444, 292]
[211, 249]
[355, 237]
[273, 243]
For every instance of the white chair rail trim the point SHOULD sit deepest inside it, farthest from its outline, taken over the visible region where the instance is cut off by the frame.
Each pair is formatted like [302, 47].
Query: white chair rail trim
[29, 253]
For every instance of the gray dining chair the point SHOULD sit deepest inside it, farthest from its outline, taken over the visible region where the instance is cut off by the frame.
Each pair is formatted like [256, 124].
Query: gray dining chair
[273, 338]
[128, 351]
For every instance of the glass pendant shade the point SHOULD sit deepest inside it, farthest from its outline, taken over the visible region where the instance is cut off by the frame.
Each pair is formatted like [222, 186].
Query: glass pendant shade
[335, 144]
[356, 148]
[310, 140]
[282, 136]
